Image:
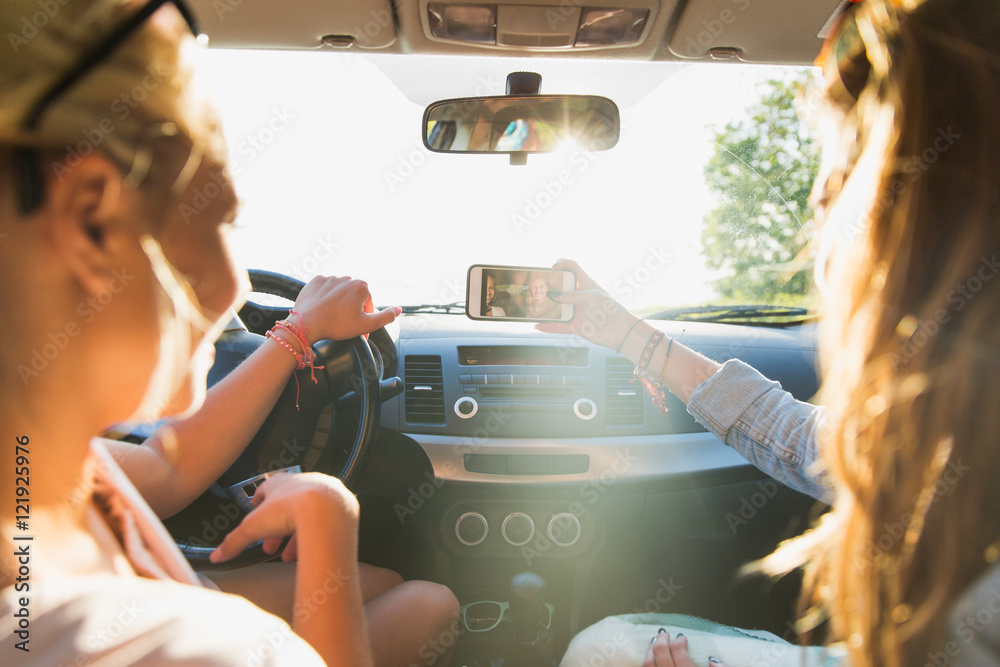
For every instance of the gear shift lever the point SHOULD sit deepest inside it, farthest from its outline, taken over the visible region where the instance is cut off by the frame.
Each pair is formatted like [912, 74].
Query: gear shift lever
[527, 601]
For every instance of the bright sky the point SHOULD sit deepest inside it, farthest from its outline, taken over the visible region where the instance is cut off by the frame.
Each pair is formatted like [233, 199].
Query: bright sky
[334, 178]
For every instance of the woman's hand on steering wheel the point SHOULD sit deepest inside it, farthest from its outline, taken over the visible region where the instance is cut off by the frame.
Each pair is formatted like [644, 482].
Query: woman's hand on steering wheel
[340, 308]
[286, 503]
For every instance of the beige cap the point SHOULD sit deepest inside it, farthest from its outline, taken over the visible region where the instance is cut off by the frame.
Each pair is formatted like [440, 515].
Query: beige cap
[146, 80]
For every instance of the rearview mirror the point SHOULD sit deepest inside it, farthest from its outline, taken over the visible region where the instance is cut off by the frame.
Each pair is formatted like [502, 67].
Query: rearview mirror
[521, 124]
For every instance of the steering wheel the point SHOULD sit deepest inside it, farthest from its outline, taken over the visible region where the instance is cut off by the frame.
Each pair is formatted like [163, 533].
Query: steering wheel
[327, 426]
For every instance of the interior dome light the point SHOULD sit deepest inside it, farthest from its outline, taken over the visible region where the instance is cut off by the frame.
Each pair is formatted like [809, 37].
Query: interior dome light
[610, 26]
[469, 23]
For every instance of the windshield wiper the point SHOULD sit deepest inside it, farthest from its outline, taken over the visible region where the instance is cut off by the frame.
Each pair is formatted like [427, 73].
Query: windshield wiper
[774, 314]
[442, 308]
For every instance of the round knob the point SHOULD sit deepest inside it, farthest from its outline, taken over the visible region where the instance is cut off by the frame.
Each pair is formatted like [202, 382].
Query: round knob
[471, 528]
[585, 409]
[564, 529]
[517, 529]
[466, 407]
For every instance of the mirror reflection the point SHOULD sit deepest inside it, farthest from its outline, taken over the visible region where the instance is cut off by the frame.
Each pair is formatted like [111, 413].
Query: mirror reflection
[521, 124]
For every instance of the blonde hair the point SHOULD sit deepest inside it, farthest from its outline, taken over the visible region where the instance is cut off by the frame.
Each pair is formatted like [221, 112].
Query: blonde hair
[911, 342]
[142, 91]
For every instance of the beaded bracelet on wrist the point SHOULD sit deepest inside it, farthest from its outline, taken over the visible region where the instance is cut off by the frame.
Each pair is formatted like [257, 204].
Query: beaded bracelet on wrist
[304, 359]
[649, 383]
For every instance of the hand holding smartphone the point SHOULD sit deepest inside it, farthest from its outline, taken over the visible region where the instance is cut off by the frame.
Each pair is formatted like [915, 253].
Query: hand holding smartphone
[517, 293]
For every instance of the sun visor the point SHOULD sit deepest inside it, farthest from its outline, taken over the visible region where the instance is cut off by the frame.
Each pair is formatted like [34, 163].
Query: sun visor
[750, 31]
[305, 24]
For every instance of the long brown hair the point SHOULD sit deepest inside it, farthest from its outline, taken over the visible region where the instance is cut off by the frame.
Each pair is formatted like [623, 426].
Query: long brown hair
[911, 339]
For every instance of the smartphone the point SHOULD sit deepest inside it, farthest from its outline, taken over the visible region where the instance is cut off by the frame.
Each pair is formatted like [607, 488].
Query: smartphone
[517, 293]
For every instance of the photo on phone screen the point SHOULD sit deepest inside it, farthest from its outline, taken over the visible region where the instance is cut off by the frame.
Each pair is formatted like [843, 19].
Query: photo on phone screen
[517, 293]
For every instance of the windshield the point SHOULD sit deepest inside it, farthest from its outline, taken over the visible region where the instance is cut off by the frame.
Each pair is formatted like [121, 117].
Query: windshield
[701, 202]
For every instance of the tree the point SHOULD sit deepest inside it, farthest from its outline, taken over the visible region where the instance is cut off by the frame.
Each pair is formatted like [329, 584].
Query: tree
[762, 171]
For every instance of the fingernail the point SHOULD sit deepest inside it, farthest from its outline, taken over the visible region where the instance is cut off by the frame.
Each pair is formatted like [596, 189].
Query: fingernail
[215, 556]
[552, 293]
[679, 635]
[714, 661]
[399, 311]
[652, 640]
[661, 631]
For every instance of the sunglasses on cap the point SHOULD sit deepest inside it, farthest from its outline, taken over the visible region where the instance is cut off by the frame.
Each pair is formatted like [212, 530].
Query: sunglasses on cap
[29, 180]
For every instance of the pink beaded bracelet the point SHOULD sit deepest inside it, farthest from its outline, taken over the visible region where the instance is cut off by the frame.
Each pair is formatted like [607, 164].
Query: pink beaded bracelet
[304, 359]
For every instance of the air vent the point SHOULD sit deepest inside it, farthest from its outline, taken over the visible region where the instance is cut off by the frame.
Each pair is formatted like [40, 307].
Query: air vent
[424, 389]
[624, 398]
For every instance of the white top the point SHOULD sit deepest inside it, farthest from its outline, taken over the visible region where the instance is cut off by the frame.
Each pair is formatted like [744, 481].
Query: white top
[160, 614]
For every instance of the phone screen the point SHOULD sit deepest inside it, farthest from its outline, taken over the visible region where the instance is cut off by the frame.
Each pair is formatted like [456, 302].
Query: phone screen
[517, 293]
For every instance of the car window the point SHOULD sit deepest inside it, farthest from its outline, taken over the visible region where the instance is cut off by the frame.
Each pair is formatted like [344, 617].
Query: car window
[701, 202]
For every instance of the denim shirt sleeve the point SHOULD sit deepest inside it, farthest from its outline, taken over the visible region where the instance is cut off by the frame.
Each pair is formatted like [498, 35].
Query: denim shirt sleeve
[973, 636]
[765, 424]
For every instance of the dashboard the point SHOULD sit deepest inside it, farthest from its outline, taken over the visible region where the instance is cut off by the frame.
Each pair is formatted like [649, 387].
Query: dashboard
[501, 403]
[509, 451]
[512, 450]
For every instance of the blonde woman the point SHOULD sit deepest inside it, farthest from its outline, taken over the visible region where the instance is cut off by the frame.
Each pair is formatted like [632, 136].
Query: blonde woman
[91, 197]
[537, 304]
[904, 567]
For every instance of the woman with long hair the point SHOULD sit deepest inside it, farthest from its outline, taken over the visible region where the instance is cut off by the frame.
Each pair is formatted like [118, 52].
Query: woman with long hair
[904, 565]
[115, 295]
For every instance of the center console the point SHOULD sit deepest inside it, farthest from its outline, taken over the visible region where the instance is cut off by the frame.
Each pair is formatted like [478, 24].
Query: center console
[505, 388]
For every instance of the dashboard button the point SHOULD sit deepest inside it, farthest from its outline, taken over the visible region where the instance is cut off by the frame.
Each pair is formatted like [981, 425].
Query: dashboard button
[466, 407]
[465, 379]
[585, 409]
[526, 464]
[567, 464]
[487, 463]
[564, 530]
[517, 529]
[471, 529]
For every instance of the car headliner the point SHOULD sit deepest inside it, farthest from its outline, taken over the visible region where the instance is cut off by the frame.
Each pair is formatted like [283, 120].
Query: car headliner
[772, 31]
